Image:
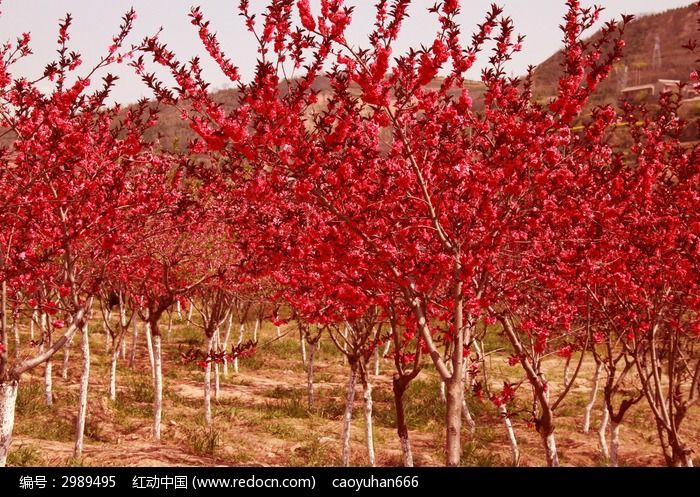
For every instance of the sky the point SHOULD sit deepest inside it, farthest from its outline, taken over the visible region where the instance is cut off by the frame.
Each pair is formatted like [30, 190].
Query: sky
[95, 22]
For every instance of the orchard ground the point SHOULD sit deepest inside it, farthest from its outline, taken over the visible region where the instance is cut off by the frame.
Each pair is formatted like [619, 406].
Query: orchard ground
[262, 419]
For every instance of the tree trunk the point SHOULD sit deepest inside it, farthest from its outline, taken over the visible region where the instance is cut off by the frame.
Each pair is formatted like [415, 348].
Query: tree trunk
[467, 415]
[157, 386]
[15, 331]
[567, 375]
[255, 329]
[515, 451]
[376, 360]
[401, 427]
[310, 378]
[66, 359]
[347, 418]
[207, 383]
[35, 316]
[591, 399]
[8, 401]
[369, 433]
[178, 309]
[601, 434]
[134, 342]
[149, 345]
[84, 380]
[189, 313]
[217, 384]
[453, 421]
[170, 324]
[229, 325]
[48, 382]
[302, 343]
[614, 444]
[550, 448]
[241, 329]
[116, 346]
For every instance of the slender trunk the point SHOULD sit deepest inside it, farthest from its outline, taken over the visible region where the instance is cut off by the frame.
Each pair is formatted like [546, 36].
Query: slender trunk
[614, 443]
[347, 418]
[178, 309]
[116, 346]
[369, 434]
[48, 367]
[302, 343]
[122, 346]
[551, 450]
[8, 401]
[591, 398]
[15, 331]
[453, 421]
[443, 394]
[84, 380]
[567, 376]
[601, 434]
[66, 359]
[229, 325]
[217, 384]
[105, 330]
[241, 329]
[134, 337]
[48, 382]
[400, 385]
[345, 346]
[467, 415]
[170, 324]
[157, 386]
[255, 329]
[149, 345]
[310, 378]
[515, 451]
[376, 361]
[207, 383]
[189, 313]
[386, 350]
[35, 316]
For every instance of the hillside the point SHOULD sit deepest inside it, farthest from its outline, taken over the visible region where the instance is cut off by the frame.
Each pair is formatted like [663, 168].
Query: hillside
[672, 29]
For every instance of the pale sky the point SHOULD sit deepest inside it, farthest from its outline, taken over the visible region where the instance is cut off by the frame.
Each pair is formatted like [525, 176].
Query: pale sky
[95, 22]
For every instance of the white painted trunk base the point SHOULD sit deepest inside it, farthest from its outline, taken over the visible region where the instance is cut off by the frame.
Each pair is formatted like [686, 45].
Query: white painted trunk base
[8, 401]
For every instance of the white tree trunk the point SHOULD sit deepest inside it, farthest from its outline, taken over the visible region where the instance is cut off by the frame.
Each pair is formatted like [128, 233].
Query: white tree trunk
[217, 384]
[601, 434]
[310, 379]
[82, 406]
[157, 387]
[207, 383]
[178, 309]
[302, 343]
[567, 375]
[443, 394]
[134, 342]
[255, 329]
[467, 416]
[35, 316]
[227, 335]
[591, 399]
[369, 433]
[347, 418]
[105, 330]
[66, 359]
[149, 345]
[8, 401]
[113, 374]
[551, 451]
[241, 329]
[515, 451]
[614, 444]
[48, 382]
[189, 313]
